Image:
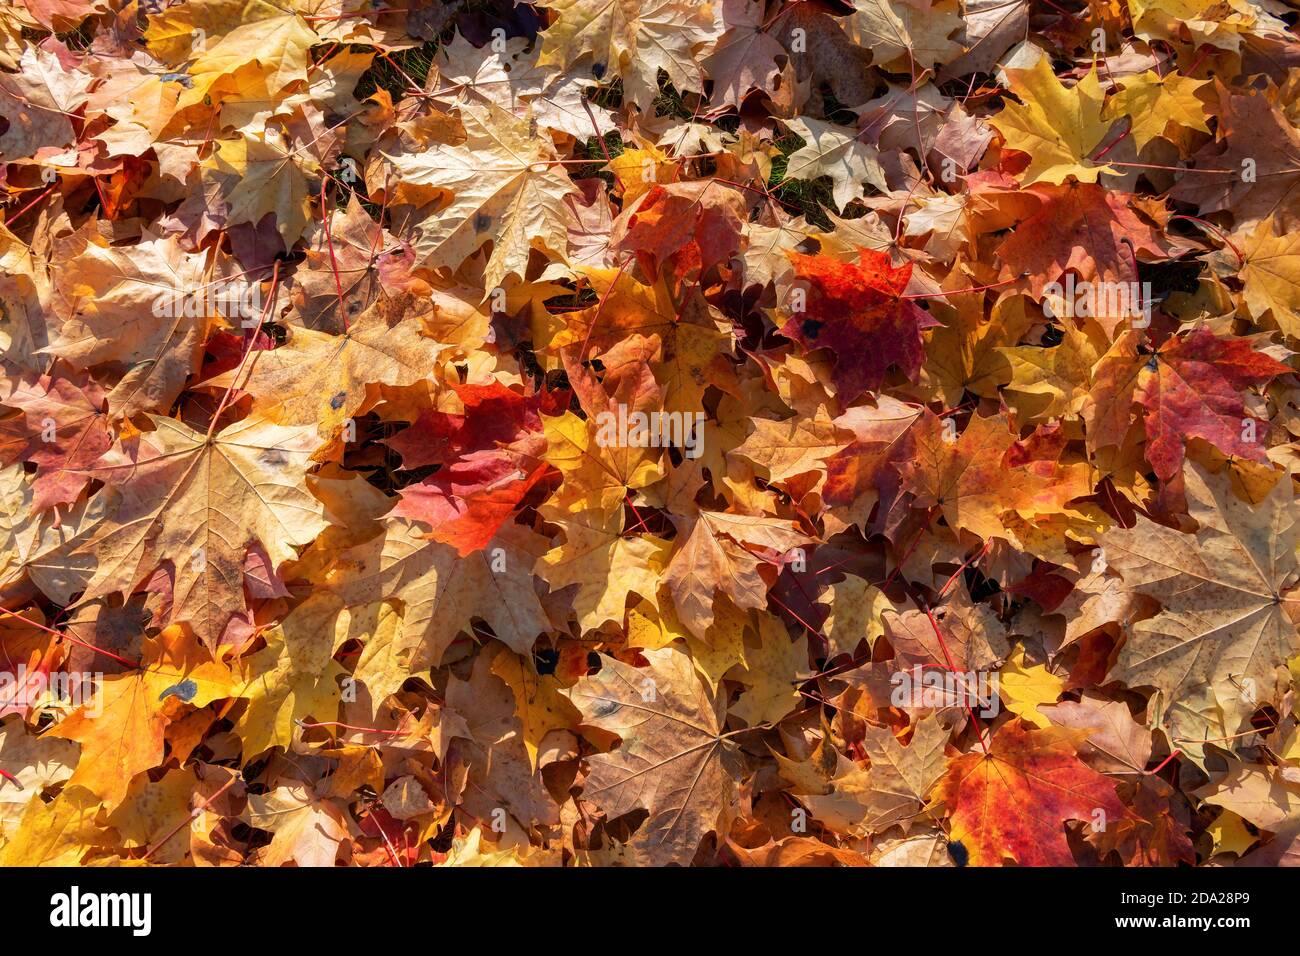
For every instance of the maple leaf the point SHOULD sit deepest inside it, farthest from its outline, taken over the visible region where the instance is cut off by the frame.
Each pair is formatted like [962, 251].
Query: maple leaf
[306, 830]
[967, 352]
[441, 591]
[510, 75]
[637, 171]
[1209, 23]
[606, 565]
[1274, 172]
[256, 32]
[1224, 592]
[172, 504]
[466, 503]
[900, 777]
[975, 478]
[857, 312]
[1153, 103]
[354, 249]
[491, 453]
[1107, 410]
[990, 28]
[515, 201]
[1079, 226]
[36, 104]
[154, 809]
[1270, 273]
[768, 672]
[69, 432]
[856, 609]
[58, 833]
[1268, 800]
[745, 57]
[384, 664]
[1025, 688]
[973, 638]
[892, 28]
[690, 221]
[1058, 128]
[493, 748]
[765, 254]
[672, 759]
[539, 700]
[120, 729]
[1013, 801]
[597, 475]
[892, 792]
[111, 294]
[793, 447]
[37, 763]
[320, 378]
[1063, 374]
[831, 151]
[723, 552]
[260, 177]
[1116, 743]
[491, 416]
[634, 39]
[694, 342]
[292, 678]
[861, 474]
[34, 546]
[1194, 390]
[381, 566]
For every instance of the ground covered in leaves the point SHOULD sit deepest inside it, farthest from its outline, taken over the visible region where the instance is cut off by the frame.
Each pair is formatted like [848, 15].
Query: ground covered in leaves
[962, 530]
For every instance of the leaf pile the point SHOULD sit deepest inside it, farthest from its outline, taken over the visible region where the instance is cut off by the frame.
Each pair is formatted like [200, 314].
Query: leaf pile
[961, 331]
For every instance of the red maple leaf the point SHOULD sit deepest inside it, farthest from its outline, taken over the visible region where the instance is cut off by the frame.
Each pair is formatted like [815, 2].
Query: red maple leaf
[1192, 389]
[857, 311]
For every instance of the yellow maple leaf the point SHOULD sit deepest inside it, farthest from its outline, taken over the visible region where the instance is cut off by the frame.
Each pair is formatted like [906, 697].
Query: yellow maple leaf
[1058, 128]
[1270, 271]
[1023, 687]
[1153, 103]
[261, 176]
[120, 728]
